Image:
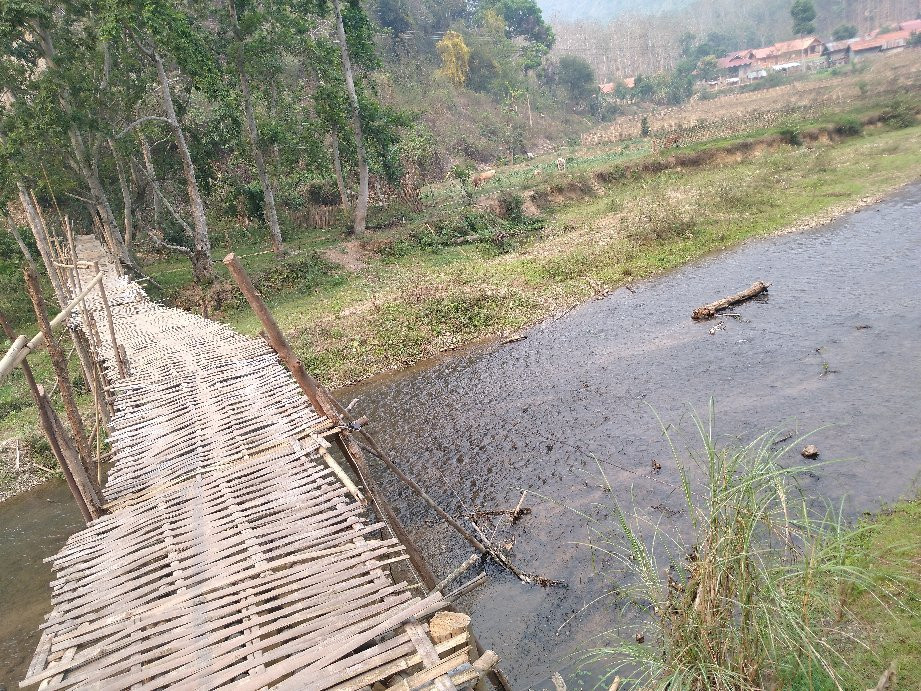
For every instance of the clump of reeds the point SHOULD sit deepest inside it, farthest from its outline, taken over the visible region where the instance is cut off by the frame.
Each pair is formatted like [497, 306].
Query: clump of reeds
[742, 592]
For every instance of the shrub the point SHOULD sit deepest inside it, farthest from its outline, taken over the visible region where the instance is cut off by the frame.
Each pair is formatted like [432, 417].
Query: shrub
[848, 126]
[899, 113]
[792, 135]
[644, 127]
[745, 589]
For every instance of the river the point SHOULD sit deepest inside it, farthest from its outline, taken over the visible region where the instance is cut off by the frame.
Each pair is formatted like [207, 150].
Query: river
[834, 346]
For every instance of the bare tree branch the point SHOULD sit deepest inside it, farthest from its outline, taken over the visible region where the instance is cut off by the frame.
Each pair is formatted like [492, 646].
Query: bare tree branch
[141, 121]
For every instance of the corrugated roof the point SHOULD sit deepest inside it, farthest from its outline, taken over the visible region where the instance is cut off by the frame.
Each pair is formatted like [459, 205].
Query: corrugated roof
[913, 25]
[893, 39]
[797, 44]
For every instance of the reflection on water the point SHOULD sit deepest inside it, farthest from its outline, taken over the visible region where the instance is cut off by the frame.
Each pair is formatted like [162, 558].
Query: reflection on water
[835, 343]
[32, 527]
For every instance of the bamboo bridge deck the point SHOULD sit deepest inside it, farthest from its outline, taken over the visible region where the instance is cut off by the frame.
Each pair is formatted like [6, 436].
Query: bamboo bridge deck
[231, 553]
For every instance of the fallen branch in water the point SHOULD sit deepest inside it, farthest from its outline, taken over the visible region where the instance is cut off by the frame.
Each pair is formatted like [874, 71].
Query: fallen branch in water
[708, 311]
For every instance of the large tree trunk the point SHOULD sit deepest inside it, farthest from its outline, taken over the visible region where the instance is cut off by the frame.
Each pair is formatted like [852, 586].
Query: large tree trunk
[360, 217]
[128, 212]
[201, 253]
[41, 241]
[152, 180]
[337, 168]
[100, 199]
[268, 194]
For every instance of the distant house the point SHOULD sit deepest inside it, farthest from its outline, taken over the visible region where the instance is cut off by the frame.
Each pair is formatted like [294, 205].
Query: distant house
[891, 42]
[838, 52]
[912, 26]
[806, 51]
[607, 88]
[611, 87]
[734, 64]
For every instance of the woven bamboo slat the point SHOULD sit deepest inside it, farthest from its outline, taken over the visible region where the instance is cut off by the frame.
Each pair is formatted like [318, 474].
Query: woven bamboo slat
[235, 551]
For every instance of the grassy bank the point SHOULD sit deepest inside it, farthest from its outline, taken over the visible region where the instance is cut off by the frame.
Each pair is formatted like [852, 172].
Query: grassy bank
[757, 586]
[530, 244]
[420, 293]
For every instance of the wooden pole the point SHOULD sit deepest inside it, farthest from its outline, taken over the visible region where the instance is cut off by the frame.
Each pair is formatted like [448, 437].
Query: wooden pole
[319, 399]
[83, 480]
[119, 361]
[60, 367]
[78, 480]
[33, 346]
[325, 404]
[48, 428]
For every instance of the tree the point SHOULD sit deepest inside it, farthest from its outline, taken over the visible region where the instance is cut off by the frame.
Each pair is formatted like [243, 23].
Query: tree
[268, 193]
[844, 32]
[360, 217]
[803, 14]
[577, 77]
[708, 68]
[524, 19]
[455, 58]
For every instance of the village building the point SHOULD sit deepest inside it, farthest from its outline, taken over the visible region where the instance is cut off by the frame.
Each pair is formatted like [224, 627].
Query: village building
[892, 42]
[838, 52]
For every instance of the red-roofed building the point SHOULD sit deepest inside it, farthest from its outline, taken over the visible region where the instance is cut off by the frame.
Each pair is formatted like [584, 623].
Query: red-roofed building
[913, 26]
[892, 42]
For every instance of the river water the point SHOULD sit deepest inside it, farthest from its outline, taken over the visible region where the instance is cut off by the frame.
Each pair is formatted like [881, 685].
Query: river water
[833, 346]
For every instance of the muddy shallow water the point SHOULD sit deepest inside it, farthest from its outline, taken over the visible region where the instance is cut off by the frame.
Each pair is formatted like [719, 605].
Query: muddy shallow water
[835, 343]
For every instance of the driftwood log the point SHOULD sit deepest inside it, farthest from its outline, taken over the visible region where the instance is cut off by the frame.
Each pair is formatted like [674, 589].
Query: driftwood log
[708, 311]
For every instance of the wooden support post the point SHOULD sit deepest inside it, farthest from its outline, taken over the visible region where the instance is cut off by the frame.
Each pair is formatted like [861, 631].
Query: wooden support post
[86, 495]
[119, 361]
[318, 398]
[48, 428]
[60, 368]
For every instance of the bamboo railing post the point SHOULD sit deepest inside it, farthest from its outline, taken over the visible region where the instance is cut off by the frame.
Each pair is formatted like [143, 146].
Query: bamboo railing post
[48, 428]
[122, 370]
[60, 368]
[83, 480]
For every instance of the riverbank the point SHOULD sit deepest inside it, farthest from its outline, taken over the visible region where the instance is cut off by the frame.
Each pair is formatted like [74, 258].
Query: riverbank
[418, 294]
[528, 248]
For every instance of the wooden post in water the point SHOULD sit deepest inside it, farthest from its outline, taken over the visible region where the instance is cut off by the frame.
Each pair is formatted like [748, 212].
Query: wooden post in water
[72, 465]
[60, 368]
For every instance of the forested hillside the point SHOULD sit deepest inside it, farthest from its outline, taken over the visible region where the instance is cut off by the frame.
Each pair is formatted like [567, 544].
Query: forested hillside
[646, 37]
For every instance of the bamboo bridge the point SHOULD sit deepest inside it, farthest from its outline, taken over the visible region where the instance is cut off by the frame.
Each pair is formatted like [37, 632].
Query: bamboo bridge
[230, 547]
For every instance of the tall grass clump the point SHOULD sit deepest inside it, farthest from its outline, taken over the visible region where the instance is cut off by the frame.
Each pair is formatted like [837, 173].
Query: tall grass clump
[745, 590]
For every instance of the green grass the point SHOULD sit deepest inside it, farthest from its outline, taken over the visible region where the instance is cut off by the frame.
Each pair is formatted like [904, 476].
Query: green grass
[432, 297]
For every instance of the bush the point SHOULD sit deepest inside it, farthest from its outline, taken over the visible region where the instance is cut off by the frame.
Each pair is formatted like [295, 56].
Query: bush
[848, 126]
[899, 113]
[644, 127]
[792, 135]
[745, 589]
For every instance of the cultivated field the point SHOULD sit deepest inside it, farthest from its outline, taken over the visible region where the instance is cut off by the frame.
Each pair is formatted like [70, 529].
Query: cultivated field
[735, 112]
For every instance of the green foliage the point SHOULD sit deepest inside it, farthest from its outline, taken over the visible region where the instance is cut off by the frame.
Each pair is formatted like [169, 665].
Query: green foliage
[524, 19]
[844, 32]
[644, 126]
[577, 78]
[792, 134]
[900, 113]
[848, 126]
[803, 14]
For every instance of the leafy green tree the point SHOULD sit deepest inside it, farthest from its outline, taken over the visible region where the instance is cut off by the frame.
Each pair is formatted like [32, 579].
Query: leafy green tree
[576, 76]
[803, 14]
[524, 20]
[844, 32]
[708, 68]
